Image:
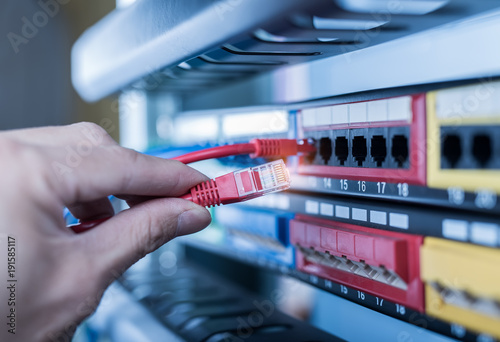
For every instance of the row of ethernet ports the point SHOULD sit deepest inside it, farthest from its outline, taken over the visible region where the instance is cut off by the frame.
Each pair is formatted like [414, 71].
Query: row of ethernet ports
[385, 147]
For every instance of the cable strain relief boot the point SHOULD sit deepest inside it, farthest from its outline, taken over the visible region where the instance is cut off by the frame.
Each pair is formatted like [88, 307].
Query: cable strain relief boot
[206, 194]
[274, 147]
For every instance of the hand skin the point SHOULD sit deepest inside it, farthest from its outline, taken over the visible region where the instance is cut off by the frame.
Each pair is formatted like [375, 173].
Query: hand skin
[61, 275]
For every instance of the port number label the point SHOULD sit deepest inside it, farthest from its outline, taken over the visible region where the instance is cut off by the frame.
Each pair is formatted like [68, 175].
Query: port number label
[400, 309]
[403, 189]
[456, 195]
[343, 289]
[485, 199]
[381, 187]
[343, 184]
[327, 183]
[362, 186]
[380, 301]
[361, 295]
[485, 338]
[458, 330]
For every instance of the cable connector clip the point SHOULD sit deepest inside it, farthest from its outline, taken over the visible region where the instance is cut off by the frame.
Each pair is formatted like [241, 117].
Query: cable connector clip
[280, 147]
[241, 185]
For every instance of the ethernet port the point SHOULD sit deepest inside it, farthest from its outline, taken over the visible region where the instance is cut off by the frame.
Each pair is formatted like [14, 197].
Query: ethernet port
[378, 149]
[359, 149]
[481, 149]
[452, 149]
[399, 149]
[341, 149]
[325, 149]
[309, 158]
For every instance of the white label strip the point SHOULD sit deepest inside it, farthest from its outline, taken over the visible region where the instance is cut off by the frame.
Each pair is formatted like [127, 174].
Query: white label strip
[378, 217]
[340, 115]
[484, 233]
[359, 214]
[386, 110]
[378, 111]
[282, 202]
[400, 109]
[357, 112]
[399, 220]
[323, 116]
[326, 209]
[455, 229]
[309, 117]
[341, 211]
[469, 102]
[312, 207]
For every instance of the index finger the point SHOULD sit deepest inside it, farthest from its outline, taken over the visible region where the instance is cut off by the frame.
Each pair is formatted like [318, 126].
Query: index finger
[111, 169]
[60, 135]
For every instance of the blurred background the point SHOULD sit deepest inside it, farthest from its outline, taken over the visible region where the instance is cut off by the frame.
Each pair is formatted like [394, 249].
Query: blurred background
[35, 80]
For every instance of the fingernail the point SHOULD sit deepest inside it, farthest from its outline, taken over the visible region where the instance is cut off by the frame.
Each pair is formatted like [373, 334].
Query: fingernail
[192, 221]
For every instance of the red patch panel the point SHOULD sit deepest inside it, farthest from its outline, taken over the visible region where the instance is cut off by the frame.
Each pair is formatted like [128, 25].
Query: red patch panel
[379, 251]
[415, 173]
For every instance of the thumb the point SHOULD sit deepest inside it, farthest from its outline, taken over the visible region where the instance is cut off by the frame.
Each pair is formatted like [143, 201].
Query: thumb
[125, 238]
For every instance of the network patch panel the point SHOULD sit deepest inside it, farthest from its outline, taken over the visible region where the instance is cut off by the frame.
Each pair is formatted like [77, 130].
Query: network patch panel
[461, 284]
[397, 210]
[262, 233]
[384, 264]
[350, 266]
[336, 252]
[367, 251]
[379, 140]
[462, 140]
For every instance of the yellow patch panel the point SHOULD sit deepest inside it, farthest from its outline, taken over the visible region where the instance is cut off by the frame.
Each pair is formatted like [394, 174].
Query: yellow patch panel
[476, 105]
[462, 266]
[462, 284]
[475, 321]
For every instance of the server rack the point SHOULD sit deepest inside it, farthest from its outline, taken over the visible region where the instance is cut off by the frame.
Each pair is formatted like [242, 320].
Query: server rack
[395, 217]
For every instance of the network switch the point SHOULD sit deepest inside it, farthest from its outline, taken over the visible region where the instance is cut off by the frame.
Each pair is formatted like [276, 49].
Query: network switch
[462, 284]
[384, 264]
[379, 140]
[331, 231]
[261, 233]
[462, 139]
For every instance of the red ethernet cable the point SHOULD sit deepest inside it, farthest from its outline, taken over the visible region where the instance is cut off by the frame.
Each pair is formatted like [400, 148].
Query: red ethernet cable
[256, 148]
[241, 185]
[237, 186]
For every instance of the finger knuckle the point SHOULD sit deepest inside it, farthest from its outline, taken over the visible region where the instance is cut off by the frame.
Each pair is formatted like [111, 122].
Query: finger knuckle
[127, 176]
[26, 157]
[91, 126]
[95, 133]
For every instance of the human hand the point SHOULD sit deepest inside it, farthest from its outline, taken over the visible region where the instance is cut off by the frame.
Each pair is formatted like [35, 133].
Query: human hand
[60, 276]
